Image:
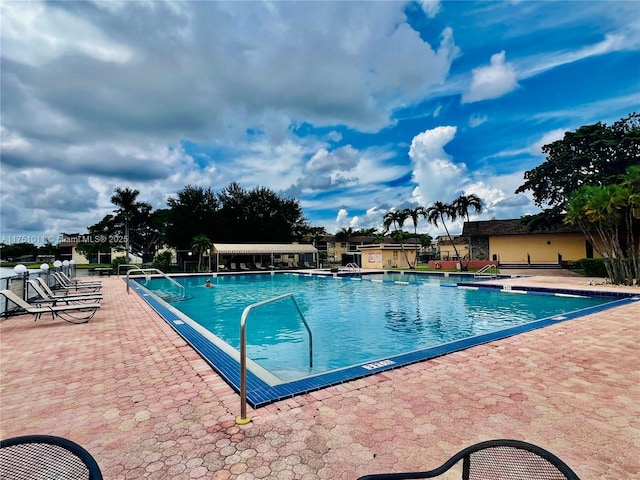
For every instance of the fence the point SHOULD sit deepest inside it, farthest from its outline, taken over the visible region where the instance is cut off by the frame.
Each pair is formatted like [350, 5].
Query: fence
[18, 284]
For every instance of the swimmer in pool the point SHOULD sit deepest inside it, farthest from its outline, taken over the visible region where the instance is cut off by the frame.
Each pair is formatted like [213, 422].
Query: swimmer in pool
[208, 284]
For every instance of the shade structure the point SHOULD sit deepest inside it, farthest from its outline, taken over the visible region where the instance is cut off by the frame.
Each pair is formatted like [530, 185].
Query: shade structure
[270, 249]
[262, 248]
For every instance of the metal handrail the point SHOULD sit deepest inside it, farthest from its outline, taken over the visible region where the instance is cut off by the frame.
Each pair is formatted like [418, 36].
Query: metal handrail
[243, 419]
[146, 271]
[126, 265]
[352, 267]
[487, 268]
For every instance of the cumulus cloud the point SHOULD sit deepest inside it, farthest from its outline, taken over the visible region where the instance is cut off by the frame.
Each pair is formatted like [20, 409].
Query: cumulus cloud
[436, 175]
[112, 90]
[492, 81]
[342, 159]
[430, 7]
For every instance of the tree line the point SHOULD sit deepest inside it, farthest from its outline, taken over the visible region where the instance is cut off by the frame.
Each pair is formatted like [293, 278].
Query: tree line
[590, 178]
[194, 218]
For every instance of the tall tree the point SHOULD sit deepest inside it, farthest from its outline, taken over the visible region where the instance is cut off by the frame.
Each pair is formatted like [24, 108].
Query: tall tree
[129, 211]
[599, 212]
[193, 210]
[259, 215]
[414, 214]
[462, 205]
[200, 244]
[592, 155]
[396, 219]
[440, 211]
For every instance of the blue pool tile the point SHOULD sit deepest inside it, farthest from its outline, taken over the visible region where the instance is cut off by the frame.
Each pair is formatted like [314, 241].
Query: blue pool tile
[260, 393]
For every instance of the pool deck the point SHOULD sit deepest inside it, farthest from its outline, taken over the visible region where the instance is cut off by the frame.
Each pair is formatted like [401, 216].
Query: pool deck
[133, 393]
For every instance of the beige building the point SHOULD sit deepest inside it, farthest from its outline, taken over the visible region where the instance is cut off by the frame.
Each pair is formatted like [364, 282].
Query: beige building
[68, 249]
[512, 241]
[447, 250]
[383, 256]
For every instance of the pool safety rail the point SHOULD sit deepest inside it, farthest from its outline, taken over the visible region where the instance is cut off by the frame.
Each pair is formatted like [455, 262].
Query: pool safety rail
[147, 271]
[490, 271]
[243, 419]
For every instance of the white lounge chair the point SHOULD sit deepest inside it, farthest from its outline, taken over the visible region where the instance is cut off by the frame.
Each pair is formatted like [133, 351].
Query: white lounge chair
[69, 313]
[65, 299]
[77, 281]
[64, 283]
[64, 293]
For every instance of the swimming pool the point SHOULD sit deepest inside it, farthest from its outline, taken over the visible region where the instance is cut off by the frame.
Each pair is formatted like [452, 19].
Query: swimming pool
[360, 324]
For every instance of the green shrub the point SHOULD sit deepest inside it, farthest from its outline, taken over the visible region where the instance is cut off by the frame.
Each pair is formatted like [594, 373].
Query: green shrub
[162, 261]
[593, 267]
[118, 261]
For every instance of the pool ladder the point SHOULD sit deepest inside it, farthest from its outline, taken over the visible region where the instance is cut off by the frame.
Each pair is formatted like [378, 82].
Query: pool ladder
[352, 267]
[489, 270]
[243, 419]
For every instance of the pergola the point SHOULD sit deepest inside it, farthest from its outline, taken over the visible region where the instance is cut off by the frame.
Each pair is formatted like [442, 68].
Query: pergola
[270, 249]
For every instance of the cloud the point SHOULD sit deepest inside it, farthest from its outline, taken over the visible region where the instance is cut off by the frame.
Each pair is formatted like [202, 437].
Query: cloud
[547, 138]
[493, 81]
[430, 7]
[436, 175]
[35, 35]
[341, 159]
[476, 120]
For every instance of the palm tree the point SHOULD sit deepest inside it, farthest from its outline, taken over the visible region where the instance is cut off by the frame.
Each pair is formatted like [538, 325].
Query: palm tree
[438, 212]
[396, 218]
[462, 204]
[200, 244]
[599, 212]
[126, 200]
[414, 214]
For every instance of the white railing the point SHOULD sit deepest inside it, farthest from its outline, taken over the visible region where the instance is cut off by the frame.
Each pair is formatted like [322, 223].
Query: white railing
[147, 271]
[351, 267]
[490, 271]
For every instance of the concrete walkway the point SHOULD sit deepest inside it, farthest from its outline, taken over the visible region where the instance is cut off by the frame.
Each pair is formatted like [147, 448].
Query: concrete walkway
[128, 389]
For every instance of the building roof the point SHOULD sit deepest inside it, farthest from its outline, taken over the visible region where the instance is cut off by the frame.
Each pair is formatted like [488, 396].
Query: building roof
[262, 248]
[513, 226]
[387, 246]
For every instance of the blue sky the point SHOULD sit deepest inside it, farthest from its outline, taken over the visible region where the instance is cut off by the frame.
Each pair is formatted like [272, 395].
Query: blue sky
[352, 108]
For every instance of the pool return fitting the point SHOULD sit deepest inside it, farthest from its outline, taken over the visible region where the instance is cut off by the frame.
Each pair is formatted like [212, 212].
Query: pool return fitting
[243, 419]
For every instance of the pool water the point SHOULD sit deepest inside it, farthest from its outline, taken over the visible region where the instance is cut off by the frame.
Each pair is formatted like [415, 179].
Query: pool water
[354, 320]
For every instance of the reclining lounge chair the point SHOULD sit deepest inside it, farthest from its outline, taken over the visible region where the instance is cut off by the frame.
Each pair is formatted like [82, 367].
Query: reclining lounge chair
[64, 284]
[65, 293]
[77, 281]
[64, 299]
[77, 313]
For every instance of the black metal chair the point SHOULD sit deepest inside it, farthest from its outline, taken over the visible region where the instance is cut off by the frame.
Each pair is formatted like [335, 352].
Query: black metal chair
[496, 459]
[46, 456]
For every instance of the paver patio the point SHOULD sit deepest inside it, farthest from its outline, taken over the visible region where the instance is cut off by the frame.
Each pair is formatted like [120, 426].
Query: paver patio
[133, 393]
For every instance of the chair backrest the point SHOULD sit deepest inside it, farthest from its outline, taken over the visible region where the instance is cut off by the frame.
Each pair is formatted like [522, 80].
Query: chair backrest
[39, 290]
[503, 458]
[61, 280]
[45, 287]
[13, 298]
[46, 456]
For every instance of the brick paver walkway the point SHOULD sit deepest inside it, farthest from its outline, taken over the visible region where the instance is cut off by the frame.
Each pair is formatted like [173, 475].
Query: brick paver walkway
[128, 389]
